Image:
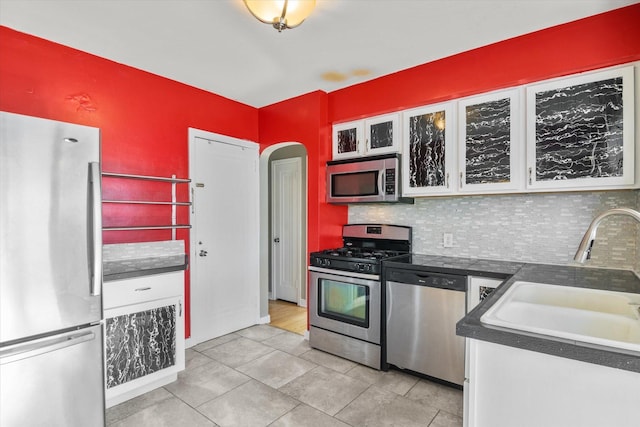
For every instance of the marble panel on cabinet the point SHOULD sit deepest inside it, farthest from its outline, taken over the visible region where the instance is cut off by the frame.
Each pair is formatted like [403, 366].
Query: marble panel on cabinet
[579, 131]
[427, 150]
[381, 135]
[347, 140]
[139, 344]
[488, 142]
[485, 291]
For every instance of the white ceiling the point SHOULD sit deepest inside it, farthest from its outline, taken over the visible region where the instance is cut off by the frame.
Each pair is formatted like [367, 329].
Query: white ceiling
[216, 45]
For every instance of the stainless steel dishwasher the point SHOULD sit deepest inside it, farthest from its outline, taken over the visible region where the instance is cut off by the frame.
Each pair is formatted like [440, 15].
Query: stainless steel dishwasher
[422, 309]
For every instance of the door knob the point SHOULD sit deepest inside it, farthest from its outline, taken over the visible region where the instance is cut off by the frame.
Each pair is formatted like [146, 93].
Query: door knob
[276, 240]
[203, 253]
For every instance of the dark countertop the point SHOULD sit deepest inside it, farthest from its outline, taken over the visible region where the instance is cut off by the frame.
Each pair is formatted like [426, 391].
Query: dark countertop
[128, 268]
[454, 265]
[576, 276]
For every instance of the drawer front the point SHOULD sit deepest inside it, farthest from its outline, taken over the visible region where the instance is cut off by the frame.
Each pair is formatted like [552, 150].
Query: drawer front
[140, 289]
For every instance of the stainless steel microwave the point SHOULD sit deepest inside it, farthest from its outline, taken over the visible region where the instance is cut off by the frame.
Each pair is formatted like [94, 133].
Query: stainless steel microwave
[375, 179]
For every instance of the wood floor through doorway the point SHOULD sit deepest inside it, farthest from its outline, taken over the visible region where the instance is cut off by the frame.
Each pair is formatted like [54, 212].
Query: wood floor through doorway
[288, 316]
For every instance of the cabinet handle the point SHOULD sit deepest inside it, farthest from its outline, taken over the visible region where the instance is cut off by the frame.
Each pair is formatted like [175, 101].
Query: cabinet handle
[179, 308]
[460, 179]
[143, 289]
[193, 200]
[447, 179]
[530, 173]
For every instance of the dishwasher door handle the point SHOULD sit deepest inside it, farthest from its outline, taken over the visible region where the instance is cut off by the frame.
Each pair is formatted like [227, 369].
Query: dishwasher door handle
[428, 279]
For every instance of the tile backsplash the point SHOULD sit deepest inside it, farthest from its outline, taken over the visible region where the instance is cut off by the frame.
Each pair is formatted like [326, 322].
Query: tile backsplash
[128, 251]
[544, 228]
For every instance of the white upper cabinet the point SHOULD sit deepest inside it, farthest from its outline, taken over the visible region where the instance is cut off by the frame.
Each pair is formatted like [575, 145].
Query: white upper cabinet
[428, 152]
[567, 134]
[382, 134]
[490, 135]
[368, 137]
[348, 140]
[580, 131]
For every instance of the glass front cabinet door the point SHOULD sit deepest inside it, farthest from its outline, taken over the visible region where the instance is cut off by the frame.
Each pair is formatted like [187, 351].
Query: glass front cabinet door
[368, 137]
[428, 152]
[580, 131]
[490, 134]
[348, 140]
[382, 134]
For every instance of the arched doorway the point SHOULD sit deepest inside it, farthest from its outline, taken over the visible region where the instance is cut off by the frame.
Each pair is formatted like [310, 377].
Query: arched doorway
[279, 153]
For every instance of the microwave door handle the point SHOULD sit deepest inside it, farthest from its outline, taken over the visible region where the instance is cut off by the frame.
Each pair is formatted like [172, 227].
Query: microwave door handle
[381, 185]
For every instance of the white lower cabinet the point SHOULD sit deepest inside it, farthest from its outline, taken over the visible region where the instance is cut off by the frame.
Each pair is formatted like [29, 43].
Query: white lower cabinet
[515, 387]
[478, 288]
[144, 334]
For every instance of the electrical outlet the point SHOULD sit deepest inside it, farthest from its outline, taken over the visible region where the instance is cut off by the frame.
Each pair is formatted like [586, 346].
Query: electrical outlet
[447, 240]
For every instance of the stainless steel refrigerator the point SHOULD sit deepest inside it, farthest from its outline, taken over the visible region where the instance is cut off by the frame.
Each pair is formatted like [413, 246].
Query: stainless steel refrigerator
[51, 363]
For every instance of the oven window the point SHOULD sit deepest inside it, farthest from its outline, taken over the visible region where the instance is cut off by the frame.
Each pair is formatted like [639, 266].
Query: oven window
[355, 184]
[345, 302]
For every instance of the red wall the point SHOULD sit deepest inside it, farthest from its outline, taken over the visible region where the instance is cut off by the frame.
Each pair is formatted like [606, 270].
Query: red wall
[304, 119]
[143, 120]
[599, 41]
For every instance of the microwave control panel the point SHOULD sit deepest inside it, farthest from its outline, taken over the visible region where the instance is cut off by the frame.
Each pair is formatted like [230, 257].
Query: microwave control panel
[390, 181]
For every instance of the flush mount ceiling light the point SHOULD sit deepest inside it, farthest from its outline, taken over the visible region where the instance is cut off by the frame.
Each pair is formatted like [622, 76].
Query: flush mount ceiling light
[282, 14]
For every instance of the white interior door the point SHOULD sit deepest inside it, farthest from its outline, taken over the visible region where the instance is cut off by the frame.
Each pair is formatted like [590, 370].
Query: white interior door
[286, 228]
[225, 236]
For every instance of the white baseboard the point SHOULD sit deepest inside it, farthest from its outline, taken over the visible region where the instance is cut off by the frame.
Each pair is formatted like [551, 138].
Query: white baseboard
[264, 320]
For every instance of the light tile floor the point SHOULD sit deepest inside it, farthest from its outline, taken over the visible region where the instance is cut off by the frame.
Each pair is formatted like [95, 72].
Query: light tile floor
[265, 376]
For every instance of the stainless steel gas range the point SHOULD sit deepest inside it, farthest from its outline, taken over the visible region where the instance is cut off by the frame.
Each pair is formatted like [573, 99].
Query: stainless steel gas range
[345, 295]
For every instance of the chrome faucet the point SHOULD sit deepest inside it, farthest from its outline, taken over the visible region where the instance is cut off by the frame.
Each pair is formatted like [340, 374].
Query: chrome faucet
[584, 250]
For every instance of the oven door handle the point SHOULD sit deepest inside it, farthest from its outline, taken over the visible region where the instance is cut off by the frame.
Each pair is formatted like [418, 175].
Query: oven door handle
[345, 274]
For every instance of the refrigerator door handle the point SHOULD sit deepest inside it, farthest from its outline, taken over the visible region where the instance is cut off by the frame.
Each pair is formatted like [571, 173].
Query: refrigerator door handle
[23, 351]
[96, 234]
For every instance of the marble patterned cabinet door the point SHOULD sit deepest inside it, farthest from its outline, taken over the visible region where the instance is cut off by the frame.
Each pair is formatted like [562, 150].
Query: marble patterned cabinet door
[144, 344]
[428, 150]
[348, 140]
[490, 136]
[580, 131]
[382, 134]
[139, 344]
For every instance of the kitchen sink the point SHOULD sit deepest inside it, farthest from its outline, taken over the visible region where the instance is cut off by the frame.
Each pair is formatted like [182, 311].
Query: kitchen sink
[597, 317]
